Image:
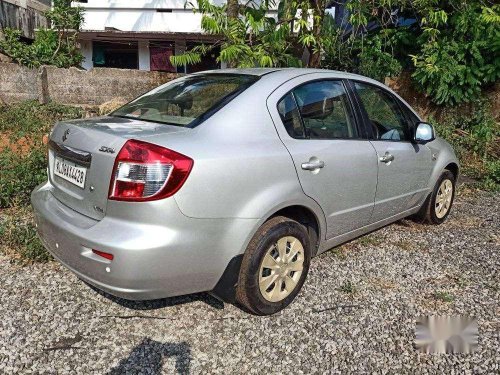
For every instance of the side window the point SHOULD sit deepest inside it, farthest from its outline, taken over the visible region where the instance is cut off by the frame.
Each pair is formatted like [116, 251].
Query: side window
[323, 111]
[384, 114]
[409, 114]
[290, 116]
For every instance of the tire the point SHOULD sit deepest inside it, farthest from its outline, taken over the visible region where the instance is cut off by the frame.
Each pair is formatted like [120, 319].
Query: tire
[271, 238]
[430, 212]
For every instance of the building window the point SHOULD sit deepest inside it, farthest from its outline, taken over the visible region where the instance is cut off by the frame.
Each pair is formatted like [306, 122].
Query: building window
[160, 53]
[115, 54]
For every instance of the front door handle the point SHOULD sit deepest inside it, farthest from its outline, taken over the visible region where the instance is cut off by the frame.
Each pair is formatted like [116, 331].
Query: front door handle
[387, 158]
[313, 165]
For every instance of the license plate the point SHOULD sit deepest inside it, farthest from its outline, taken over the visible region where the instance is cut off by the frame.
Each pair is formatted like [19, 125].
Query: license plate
[70, 171]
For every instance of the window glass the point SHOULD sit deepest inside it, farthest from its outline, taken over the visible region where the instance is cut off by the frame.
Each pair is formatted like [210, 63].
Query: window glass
[410, 115]
[324, 107]
[187, 101]
[384, 114]
[290, 116]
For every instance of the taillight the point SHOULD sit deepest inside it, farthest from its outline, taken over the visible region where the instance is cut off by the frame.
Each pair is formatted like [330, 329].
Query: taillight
[144, 172]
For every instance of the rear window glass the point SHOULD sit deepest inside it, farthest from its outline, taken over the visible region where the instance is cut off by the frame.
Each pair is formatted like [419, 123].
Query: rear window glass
[186, 102]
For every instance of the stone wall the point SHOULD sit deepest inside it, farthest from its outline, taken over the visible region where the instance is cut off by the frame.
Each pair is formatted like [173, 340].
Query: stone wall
[17, 83]
[74, 86]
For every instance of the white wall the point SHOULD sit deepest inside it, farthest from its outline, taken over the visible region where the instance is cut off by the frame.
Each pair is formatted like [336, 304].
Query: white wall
[141, 15]
[142, 20]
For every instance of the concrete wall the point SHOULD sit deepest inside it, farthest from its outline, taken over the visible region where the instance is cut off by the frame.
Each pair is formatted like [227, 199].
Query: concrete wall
[74, 86]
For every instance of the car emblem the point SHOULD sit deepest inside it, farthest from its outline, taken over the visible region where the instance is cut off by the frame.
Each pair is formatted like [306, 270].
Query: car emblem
[109, 150]
[65, 135]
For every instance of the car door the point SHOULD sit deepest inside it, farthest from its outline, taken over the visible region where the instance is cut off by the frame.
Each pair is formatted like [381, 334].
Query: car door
[404, 167]
[335, 163]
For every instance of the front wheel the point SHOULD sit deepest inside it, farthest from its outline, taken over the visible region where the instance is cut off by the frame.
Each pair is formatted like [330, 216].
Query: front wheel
[274, 266]
[438, 206]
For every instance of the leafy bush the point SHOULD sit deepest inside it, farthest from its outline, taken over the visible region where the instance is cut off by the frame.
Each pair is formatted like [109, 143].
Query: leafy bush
[454, 46]
[22, 168]
[18, 237]
[56, 46]
[20, 174]
[377, 63]
[25, 167]
[475, 136]
[492, 178]
[31, 118]
[459, 53]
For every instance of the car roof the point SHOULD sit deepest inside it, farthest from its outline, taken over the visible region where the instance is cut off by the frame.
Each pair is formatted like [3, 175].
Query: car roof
[288, 72]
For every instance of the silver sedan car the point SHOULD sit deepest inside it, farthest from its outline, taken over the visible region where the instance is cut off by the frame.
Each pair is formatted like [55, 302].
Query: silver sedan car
[230, 181]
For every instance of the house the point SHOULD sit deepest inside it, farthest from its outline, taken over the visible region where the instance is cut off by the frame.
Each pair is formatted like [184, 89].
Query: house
[141, 34]
[24, 15]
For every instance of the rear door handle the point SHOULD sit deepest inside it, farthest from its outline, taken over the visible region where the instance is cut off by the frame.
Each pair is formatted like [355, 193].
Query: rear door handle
[387, 158]
[313, 165]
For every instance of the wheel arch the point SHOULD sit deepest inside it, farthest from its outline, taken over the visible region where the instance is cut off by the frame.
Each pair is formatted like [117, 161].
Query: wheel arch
[453, 168]
[307, 218]
[311, 216]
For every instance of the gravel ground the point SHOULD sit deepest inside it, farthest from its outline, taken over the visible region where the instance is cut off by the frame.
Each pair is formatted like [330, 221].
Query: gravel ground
[355, 314]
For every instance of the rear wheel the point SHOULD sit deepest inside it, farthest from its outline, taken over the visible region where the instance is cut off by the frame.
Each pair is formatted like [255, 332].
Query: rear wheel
[274, 266]
[438, 206]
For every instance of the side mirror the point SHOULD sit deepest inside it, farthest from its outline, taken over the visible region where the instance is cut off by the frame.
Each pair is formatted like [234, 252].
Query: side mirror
[424, 133]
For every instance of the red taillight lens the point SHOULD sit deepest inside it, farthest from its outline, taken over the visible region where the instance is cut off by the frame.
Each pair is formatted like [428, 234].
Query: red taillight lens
[144, 172]
[103, 254]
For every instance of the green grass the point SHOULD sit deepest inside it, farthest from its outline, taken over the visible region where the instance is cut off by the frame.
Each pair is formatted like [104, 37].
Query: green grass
[25, 167]
[30, 117]
[443, 296]
[22, 168]
[348, 287]
[370, 240]
[18, 238]
[475, 136]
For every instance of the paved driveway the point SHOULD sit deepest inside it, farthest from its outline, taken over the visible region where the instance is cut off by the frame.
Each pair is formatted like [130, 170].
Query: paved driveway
[355, 314]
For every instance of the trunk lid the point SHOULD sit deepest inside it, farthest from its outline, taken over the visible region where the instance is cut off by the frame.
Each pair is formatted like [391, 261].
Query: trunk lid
[93, 144]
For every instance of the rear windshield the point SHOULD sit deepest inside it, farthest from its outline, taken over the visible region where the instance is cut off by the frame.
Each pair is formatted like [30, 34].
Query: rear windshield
[186, 102]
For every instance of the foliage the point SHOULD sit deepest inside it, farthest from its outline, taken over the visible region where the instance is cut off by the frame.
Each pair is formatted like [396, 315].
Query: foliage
[18, 237]
[252, 40]
[20, 174]
[56, 46]
[459, 52]
[34, 119]
[377, 63]
[492, 178]
[22, 170]
[452, 47]
[475, 137]
[26, 122]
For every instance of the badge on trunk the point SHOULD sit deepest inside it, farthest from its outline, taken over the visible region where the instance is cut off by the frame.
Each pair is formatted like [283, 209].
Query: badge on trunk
[65, 135]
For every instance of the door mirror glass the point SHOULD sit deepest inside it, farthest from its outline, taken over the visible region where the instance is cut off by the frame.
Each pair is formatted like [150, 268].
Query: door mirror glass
[424, 133]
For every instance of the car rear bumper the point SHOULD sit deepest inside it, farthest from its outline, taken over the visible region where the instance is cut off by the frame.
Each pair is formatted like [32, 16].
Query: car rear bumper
[158, 252]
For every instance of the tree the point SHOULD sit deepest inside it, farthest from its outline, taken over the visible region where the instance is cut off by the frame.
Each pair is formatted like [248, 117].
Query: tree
[249, 36]
[253, 38]
[56, 46]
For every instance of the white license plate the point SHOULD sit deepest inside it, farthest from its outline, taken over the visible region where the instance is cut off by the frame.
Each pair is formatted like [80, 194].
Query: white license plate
[70, 171]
